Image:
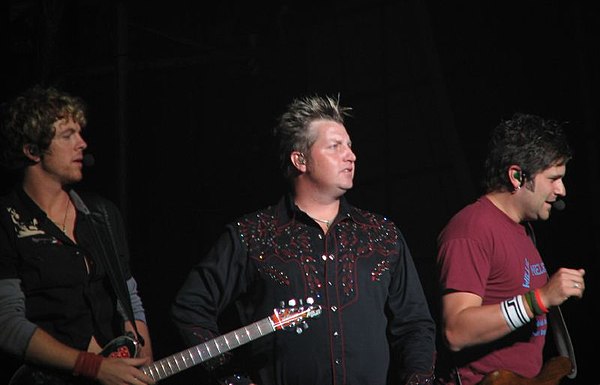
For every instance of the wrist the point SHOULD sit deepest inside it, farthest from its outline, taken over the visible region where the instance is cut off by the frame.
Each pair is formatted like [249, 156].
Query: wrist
[514, 312]
[87, 365]
[540, 301]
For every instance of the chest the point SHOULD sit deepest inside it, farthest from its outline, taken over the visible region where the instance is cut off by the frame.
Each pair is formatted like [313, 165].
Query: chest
[516, 266]
[301, 258]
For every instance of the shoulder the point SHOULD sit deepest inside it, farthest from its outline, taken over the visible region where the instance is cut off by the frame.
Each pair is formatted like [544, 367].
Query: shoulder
[92, 200]
[8, 198]
[14, 207]
[370, 217]
[374, 222]
[264, 217]
[474, 220]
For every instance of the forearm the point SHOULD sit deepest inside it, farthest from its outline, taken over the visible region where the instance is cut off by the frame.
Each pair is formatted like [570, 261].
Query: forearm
[475, 325]
[46, 350]
[16, 330]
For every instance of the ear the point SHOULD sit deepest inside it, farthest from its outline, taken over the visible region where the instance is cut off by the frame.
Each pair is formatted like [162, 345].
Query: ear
[298, 160]
[32, 152]
[515, 176]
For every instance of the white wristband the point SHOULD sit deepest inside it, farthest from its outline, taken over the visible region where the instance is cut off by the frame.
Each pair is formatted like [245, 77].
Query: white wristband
[514, 312]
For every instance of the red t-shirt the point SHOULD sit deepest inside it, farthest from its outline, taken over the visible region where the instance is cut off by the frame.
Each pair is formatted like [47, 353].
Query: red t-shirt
[483, 251]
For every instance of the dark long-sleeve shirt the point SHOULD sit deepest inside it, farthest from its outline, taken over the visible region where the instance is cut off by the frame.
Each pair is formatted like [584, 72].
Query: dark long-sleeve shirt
[375, 321]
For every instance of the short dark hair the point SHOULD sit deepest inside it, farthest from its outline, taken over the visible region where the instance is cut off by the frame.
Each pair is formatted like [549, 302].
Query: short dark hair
[525, 140]
[29, 120]
[292, 132]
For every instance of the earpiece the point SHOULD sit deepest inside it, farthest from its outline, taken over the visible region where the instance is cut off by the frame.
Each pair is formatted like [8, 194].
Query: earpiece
[517, 175]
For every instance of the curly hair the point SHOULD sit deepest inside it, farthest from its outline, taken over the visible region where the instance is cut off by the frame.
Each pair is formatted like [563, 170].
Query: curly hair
[293, 133]
[29, 120]
[528, 141]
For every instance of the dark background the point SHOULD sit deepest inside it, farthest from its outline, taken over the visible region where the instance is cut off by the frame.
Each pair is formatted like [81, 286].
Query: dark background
[183, 95]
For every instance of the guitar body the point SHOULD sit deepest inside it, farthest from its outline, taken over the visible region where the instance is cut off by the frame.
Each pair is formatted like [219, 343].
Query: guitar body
[551, 374]
[121, 347]
[125, 346]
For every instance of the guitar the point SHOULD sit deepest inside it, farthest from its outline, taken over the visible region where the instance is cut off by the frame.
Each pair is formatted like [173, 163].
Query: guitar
[126, 346]
[551, 374]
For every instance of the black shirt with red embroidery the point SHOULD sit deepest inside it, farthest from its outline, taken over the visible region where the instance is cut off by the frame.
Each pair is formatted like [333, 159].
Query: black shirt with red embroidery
[375, 327]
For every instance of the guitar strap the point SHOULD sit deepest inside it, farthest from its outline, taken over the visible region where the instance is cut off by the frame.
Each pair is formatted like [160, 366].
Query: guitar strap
[562, 339]
[112, 265]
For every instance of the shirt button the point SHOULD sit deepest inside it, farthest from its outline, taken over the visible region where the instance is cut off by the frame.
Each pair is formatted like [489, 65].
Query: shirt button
[335, 334]
[333, 308]
[324, 257]
[338, 361]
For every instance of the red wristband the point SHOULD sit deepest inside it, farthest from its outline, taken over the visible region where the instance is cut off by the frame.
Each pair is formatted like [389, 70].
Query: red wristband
[540, 302]
[87, 365]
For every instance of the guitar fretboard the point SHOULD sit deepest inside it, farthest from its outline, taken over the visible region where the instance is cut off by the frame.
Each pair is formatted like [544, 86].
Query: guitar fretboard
[195, 355]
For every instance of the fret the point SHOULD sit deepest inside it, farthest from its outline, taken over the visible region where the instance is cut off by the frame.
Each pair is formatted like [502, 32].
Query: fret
[264, 328]
[226, 341]
[162, 366]
[190, 352]
[237, 338]
[221, 344]
[253, 331]
[200, 351]
[170, 364]
[208, 352]
[180, 365]
[148, 371]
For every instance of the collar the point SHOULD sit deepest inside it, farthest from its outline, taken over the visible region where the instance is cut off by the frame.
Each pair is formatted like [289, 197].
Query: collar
[32, 210]
[31, 207]
[287, 211]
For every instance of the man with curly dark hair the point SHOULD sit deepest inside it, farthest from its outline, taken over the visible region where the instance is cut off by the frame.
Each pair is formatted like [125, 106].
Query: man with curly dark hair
[496, 292]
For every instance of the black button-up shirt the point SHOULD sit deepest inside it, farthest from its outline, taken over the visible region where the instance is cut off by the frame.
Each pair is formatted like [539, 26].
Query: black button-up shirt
[375, 321]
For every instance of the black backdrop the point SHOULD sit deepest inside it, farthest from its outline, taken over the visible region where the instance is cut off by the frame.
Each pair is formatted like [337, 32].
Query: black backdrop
[182, 96]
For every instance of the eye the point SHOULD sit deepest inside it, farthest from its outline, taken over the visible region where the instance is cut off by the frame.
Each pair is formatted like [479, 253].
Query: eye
[66, 134]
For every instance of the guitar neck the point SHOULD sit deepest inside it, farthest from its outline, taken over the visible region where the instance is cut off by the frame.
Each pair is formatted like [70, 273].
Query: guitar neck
[195, 355]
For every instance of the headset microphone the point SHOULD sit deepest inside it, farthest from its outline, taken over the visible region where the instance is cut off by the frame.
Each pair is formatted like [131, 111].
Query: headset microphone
[88, 160]
[559, 204]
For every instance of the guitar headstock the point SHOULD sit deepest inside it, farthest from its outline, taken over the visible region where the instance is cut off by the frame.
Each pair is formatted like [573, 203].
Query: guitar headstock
[294, 315]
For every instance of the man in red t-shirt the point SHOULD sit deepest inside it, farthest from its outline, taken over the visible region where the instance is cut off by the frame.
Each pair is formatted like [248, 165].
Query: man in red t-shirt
[495, 288]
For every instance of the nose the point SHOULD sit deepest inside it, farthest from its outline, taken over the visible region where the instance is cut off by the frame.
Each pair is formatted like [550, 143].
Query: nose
[350, 155]
[81, 143]
[561, 190]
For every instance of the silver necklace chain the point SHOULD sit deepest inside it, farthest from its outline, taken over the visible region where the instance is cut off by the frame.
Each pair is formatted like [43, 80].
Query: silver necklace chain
[326, 222]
